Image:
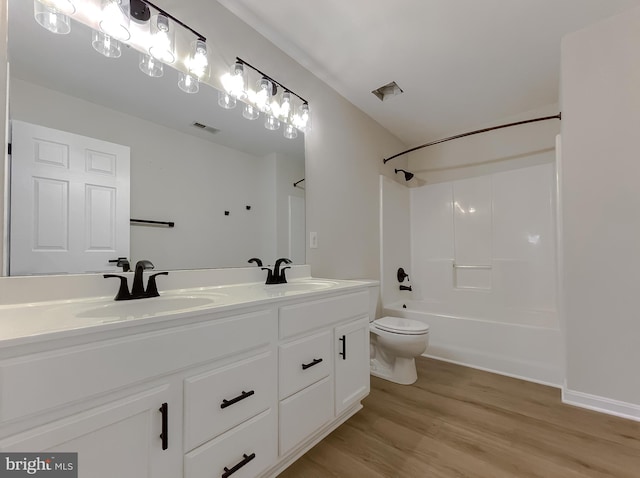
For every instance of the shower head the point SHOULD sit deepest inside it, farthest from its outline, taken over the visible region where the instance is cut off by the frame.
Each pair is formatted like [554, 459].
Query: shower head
[407, 174]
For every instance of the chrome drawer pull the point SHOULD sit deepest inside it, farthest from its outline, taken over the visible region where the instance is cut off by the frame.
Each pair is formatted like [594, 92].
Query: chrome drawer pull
[305, 366]
[225, 403]
[246, 459]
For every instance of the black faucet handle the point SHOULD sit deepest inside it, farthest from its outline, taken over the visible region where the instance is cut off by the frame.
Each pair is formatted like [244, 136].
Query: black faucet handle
[402, 275]
[256, 260]
[283, 278]
[152, 287]
[121, 262]
[123, 291]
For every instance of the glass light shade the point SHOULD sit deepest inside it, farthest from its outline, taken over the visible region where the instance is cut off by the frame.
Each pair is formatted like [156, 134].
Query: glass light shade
[198, 64]
[250, 112]
[66, 7]
[285, 105]
[290, 132]
[115, 20]
[272, 123]
[235, 82]
[105, 45]
[51, 18]
[226, 100]
[188, 83]
[162, 39]
[301, 119]
[262, 98]
[150, 66]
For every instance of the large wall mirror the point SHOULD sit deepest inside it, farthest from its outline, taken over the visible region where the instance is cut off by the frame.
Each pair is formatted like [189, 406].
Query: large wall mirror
[226, 183]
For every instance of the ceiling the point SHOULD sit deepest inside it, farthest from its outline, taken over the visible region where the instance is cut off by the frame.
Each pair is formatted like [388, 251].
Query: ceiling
[462, 64]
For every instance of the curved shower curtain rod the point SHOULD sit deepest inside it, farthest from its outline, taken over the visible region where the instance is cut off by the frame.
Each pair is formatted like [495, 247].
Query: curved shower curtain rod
[484, 130]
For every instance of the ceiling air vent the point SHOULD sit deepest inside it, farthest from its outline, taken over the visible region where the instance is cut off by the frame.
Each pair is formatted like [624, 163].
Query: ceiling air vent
[208, 129]
[387, 91]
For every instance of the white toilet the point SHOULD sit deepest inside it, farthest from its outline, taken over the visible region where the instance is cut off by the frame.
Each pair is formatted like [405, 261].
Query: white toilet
[395, 343]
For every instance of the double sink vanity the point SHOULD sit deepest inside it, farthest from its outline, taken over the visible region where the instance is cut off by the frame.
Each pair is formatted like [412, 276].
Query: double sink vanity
[220, 376]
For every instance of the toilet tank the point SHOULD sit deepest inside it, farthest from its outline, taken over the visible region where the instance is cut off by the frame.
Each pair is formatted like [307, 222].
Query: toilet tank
[374, 297]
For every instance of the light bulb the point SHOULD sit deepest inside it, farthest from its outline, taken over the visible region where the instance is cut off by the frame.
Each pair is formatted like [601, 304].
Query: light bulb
[188, 83]
[162, 39]
[50, 17]
[105, 45]
[198, 62]
[114, 20]
[150, 66]
[226, 100]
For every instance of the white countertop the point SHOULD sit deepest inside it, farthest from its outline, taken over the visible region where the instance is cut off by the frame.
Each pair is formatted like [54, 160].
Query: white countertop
[33, 322]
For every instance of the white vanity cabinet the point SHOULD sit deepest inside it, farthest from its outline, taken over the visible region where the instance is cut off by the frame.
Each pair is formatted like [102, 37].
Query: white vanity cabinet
[317, 385]
[123, 438]
[239, 392]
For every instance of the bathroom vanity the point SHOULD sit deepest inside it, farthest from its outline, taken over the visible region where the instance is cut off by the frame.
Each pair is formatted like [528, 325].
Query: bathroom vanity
[231, 380]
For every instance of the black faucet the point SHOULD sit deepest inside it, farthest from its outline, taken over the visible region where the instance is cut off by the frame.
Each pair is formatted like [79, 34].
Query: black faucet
[256, 260]
[405, 287]
[277, 276]
[138, 291]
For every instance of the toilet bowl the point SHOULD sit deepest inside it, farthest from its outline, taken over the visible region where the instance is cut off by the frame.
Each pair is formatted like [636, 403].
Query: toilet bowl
[395, 343]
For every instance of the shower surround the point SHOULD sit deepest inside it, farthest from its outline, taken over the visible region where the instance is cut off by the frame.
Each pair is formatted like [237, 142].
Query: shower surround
[481, 259]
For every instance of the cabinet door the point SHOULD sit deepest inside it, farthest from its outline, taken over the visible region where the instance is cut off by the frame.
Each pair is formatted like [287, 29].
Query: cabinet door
[351, 363]
[121, 439]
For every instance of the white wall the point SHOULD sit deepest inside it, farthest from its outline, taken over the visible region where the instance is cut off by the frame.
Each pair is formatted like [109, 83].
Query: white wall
[174, 177]
[486, 153]
[600, 204]
[344, 151]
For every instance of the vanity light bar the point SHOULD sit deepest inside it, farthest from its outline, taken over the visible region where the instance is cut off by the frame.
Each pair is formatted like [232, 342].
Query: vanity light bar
[264, 75]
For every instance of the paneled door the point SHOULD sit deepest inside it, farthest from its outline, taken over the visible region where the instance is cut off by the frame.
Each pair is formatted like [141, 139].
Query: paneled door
[69, 202]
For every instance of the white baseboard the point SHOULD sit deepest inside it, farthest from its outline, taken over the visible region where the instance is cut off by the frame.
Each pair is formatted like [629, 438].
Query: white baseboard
[601, 404]
[500, 371]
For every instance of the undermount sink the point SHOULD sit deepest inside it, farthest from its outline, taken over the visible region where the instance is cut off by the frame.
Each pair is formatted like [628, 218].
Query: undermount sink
[131, 309]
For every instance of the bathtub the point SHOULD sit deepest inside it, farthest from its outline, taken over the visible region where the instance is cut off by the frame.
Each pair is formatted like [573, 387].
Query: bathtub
[525, 344]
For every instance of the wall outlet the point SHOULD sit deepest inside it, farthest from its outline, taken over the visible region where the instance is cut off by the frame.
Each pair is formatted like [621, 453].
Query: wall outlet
[313, 240]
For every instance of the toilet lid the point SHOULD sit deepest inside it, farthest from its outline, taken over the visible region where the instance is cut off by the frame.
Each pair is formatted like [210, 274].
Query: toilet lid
[399, 325]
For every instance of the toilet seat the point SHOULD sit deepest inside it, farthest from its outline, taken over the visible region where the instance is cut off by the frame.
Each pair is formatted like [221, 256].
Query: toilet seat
[400, 325]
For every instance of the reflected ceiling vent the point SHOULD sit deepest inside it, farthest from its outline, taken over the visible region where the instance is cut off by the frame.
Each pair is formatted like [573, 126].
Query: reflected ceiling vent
[204, 127]
[387, 91]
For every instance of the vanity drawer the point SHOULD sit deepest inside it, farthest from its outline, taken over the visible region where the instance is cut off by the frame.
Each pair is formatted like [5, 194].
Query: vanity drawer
[218, 400]
[305, 413]
[303, 362]
[43, 381]
[252, 443]
[300, 318]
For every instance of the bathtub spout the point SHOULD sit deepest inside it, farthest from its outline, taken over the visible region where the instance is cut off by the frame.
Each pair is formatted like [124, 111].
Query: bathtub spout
[405, 287]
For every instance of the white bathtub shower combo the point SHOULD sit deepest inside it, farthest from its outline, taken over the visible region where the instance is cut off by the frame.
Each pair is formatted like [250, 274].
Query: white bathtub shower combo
[481, 254]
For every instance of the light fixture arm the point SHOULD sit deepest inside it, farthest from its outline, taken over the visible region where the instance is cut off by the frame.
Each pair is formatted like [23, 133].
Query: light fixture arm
[264, 75]
[167, 14]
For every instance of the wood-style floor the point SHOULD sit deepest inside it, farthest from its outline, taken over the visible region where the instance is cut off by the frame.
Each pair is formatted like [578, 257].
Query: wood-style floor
[460, 422]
